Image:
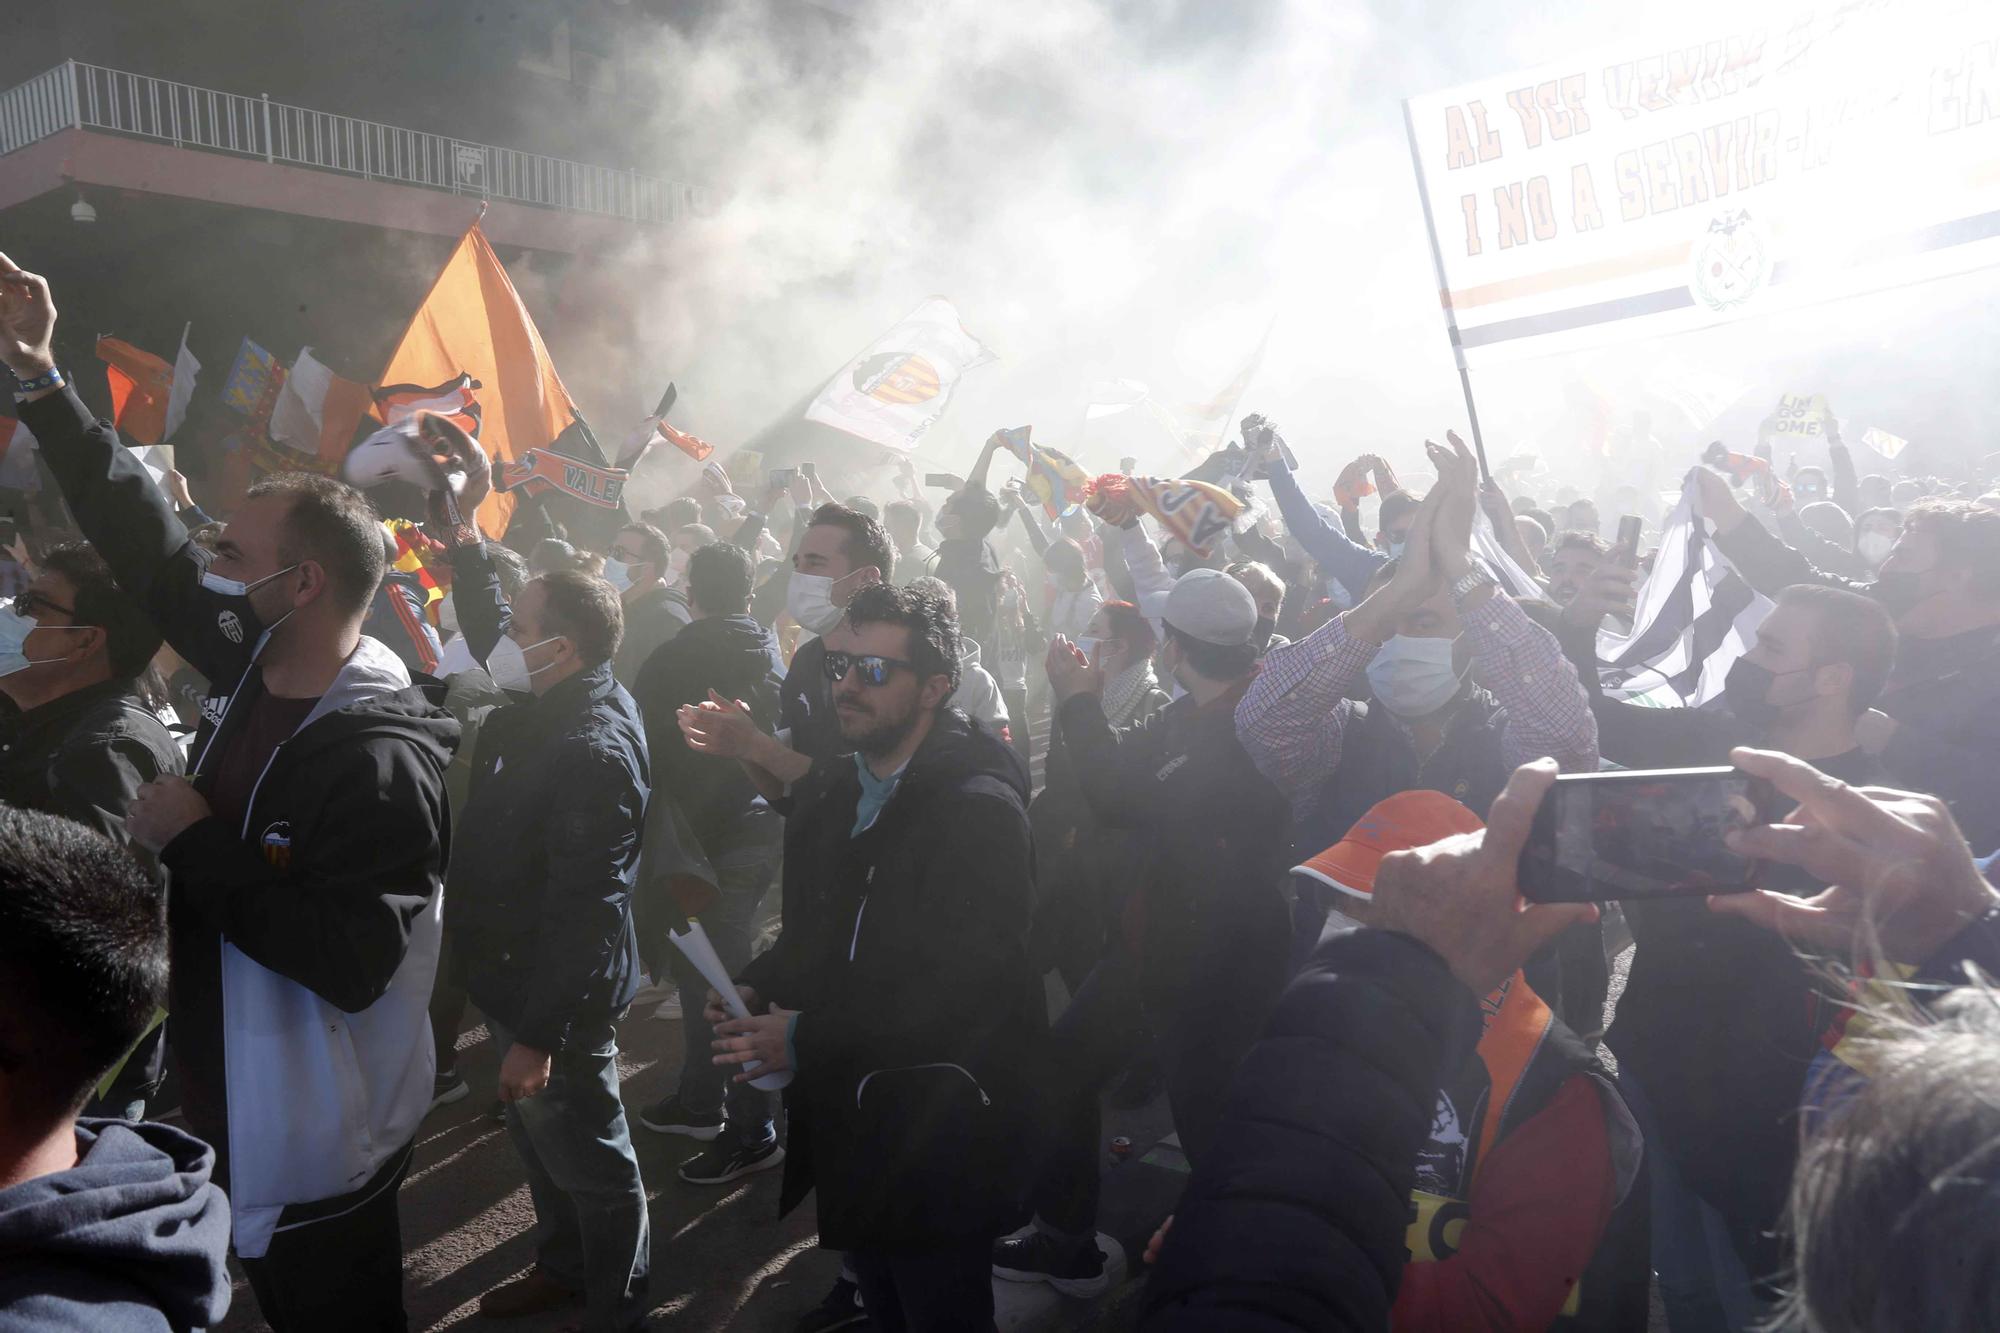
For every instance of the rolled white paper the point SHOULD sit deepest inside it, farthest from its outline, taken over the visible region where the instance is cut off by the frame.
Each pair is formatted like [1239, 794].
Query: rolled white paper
[694, 943]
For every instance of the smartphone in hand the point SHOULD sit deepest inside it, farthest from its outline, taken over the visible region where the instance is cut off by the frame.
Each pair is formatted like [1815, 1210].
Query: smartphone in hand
[1626, 549]
[1603, 837]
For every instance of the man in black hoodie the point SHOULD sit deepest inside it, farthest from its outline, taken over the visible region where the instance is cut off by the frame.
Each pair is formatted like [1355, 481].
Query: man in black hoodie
[900, 990]
[105, 1225]
[723, 652]
[305, 856]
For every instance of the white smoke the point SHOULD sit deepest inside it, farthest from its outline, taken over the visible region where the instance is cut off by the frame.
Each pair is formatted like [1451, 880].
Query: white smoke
[1106, 188]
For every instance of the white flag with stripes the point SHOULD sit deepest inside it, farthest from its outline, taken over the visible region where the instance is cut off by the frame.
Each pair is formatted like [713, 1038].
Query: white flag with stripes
[1695, 615]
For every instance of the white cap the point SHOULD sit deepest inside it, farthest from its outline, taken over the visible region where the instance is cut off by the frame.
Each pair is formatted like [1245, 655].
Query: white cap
[1209, 605]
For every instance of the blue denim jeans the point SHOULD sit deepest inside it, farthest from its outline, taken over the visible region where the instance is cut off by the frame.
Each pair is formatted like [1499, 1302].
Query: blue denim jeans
[1704, 1286]
[591, 1230]
[744, 877]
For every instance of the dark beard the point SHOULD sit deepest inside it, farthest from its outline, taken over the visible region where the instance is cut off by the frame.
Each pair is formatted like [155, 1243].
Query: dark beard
[877, 735]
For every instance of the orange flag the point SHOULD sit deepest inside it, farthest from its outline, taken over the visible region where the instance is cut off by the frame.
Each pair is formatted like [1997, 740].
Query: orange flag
[141, 383]
[473, 323]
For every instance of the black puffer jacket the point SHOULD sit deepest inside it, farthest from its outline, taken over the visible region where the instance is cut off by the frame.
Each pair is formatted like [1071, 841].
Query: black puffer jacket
[1296, 1218]
[905, 948]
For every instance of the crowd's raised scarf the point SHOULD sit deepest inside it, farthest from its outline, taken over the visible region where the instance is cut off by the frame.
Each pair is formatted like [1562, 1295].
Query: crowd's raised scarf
[1053, 476]
[1194, 511]
[419, 555]
[540, 470]
[1695, 615]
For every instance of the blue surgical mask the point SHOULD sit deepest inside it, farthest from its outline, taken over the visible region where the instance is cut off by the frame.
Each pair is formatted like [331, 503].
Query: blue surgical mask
[1396, 550]
[237, 587]
[618, 574]
[14, 631]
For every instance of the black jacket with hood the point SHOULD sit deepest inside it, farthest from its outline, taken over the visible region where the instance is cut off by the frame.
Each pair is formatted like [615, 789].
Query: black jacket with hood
[304, 941]
[132, 1239]
[905, 948]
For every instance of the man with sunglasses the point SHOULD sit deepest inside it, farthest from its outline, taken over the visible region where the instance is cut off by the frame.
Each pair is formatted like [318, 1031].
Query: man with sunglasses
[305, 855]
[842, 552]
[79, 742]
[900, 989]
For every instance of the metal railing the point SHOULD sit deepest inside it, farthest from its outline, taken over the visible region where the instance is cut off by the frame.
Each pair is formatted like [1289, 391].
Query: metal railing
[80, 96]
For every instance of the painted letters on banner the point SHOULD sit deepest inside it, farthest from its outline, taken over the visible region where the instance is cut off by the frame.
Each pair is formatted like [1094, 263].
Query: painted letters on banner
[1657, 189]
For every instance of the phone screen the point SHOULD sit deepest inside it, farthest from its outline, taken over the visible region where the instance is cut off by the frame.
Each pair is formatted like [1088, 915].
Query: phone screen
[1656, 834]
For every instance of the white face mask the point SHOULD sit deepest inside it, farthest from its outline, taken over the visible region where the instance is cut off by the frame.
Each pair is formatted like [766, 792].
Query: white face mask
[1414, 677]
[618, 574]
[809, 598]
[508, 664]
[677, 564]
[1090, 648]
[1874, 547]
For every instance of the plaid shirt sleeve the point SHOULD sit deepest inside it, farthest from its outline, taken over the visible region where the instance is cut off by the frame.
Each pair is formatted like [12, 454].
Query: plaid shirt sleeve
[1291, 718]
[1548, 712]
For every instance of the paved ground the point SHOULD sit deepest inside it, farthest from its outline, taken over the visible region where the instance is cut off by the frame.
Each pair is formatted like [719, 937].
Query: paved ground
[722, 1259]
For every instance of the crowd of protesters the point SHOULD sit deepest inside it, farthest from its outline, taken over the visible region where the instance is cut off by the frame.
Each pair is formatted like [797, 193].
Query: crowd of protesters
[1050, 797]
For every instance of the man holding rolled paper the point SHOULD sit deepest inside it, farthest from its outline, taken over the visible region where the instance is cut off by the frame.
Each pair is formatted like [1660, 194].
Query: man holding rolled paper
[542, 933]
[900, 991]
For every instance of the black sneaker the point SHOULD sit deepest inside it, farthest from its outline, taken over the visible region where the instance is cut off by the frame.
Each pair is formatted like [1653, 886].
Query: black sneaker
[1040, 1257]
[726, 1162]
[841, 1308]
[668, 1116]
[447, 1088]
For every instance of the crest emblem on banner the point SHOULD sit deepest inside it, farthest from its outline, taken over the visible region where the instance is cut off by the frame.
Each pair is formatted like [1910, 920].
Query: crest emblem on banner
[1731, 262]
[897, 377]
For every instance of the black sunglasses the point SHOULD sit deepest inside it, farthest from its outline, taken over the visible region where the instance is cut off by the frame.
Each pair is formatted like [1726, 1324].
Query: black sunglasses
[874, 670]
[25, 604]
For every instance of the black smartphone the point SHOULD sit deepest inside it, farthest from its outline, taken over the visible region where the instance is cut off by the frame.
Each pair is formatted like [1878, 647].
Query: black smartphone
[782, 477]
[1626, 552]
[944, 479]
[1657, 833]
[809, 470]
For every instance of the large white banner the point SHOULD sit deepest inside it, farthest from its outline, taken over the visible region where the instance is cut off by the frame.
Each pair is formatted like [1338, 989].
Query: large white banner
[1652, 190]
[896, 390]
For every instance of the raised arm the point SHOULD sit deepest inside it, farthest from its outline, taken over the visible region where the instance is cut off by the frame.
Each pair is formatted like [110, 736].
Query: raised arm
[125, 516]
[1294, 715]
[1339, 555]
[1548, 712]
[1766, 563]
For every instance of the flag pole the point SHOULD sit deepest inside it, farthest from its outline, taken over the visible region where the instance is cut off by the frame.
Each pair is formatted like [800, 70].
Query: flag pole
[1451, 322]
